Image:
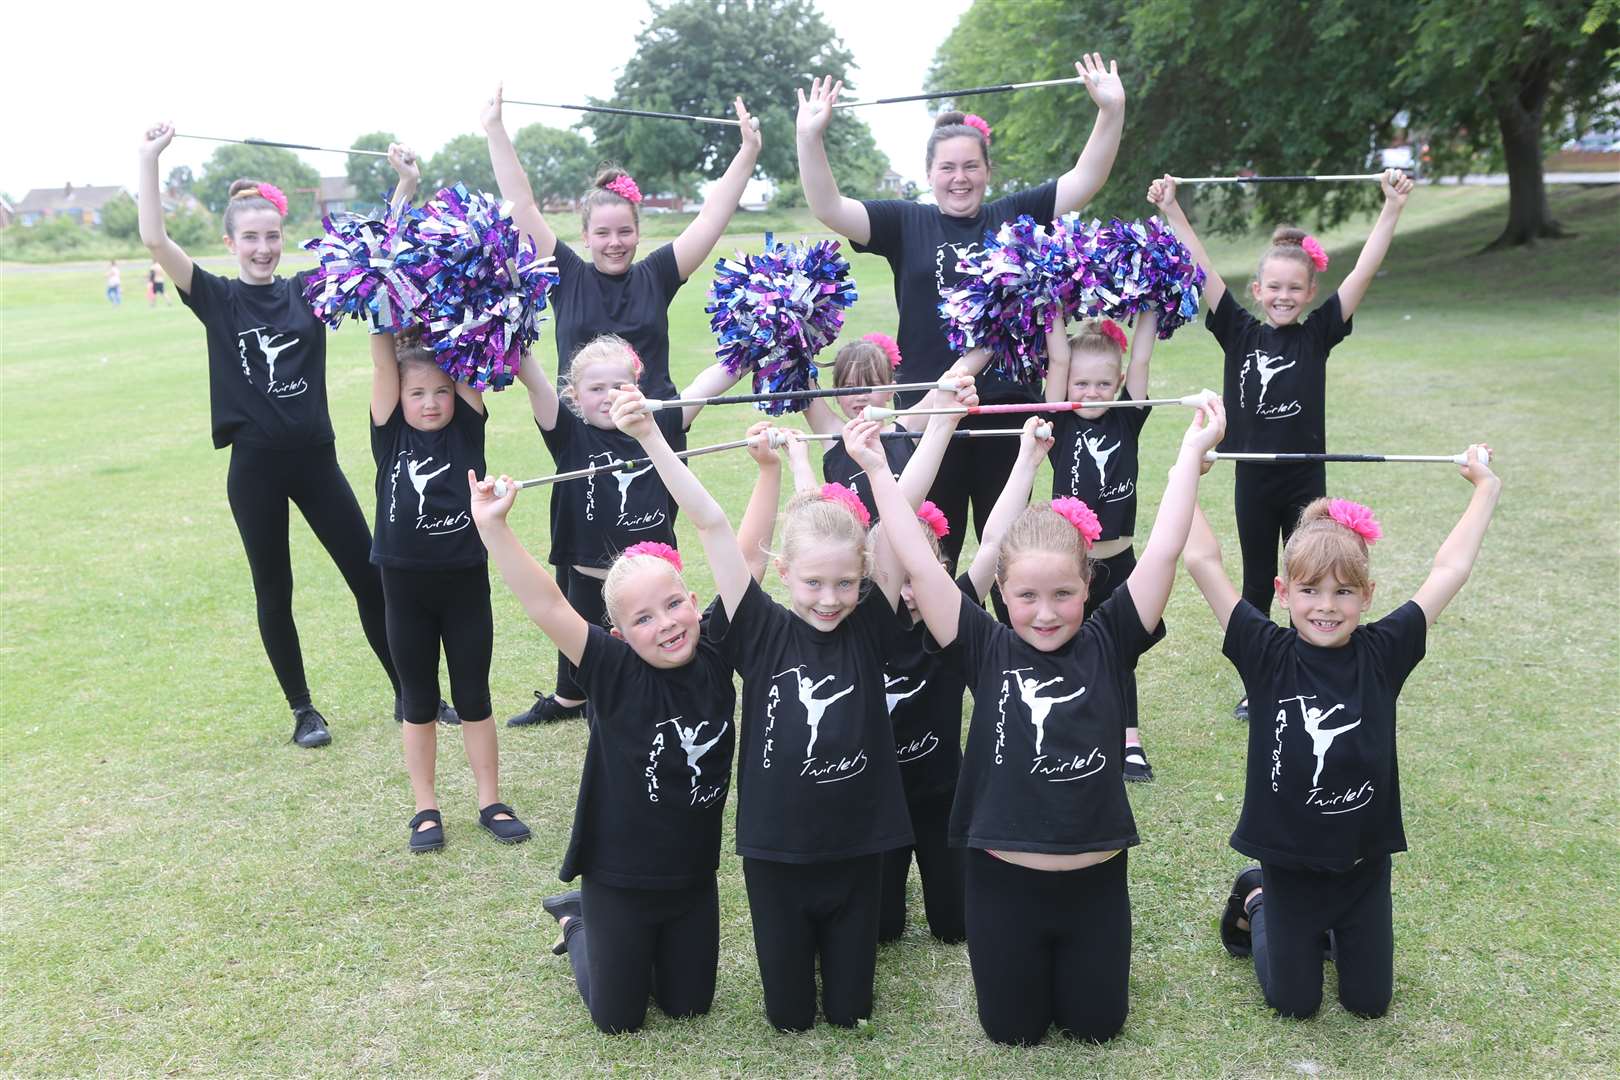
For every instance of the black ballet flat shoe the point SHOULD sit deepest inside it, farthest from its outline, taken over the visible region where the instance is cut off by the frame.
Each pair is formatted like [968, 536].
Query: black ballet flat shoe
[1240, 711]
[1239, 942]
[545, 710]
[423, 840]
[509, 831]
[309, 728]
[566, 905]
[448, 715]
[1137, 770]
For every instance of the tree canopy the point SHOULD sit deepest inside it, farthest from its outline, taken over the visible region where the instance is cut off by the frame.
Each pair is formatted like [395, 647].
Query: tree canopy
[559, 164]
[270, 164]
[464, 159]
[373, 178]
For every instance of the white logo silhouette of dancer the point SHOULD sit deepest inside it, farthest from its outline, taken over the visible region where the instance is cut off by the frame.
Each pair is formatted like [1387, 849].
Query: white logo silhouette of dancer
[1268, 368]
[1322, 740]
[269, 350]
[1098, 455]
[1039, 707]
[814, 707]
[624, 479]
[895, 699]
[419, 480]
[688, 738]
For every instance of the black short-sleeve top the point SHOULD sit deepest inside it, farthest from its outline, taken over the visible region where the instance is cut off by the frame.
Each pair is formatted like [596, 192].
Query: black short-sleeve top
[922, 245]
[657, 767]
[924, 692]
[595, 518]
[837, 467]
[1043, 766]
[633, 305]
[266, 361]
[424, 512]
[1274, 380]
[817, 778]
[1322, 789]
[1096, 462]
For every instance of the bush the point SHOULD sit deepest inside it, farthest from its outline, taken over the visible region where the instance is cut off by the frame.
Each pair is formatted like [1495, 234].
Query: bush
[789, 195]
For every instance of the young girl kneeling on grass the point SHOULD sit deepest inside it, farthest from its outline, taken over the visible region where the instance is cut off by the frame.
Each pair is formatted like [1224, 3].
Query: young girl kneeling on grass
[1041, 803]
[1321, 802]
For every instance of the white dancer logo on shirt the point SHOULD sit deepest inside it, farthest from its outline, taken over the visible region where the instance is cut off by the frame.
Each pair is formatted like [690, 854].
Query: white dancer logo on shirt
[815, 708]
[624, 478]
[702, 794]
[1267, 367]
[922, 745]
[1092, 444]
[1070, 767]
[1355, 796]
[269, 346]
[418, 474]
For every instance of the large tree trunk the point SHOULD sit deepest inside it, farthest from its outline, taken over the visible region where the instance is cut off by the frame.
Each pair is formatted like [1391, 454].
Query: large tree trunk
[1519, 115]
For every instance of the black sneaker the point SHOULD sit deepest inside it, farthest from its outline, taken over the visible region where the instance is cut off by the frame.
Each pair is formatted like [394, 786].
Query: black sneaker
[545, 710]
[1241, 711]
[309, 728]
[1137, 769]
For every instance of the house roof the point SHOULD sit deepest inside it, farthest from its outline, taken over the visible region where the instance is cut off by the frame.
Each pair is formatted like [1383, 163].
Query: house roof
[336, 188]
[68, 197]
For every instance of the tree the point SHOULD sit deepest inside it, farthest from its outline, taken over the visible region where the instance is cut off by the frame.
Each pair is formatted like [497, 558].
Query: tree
[373, 178]
[180, 180]
[464, 159]
[559, 163]
[269, 164]
[120, 219]
[1501, 79]
[694, 57]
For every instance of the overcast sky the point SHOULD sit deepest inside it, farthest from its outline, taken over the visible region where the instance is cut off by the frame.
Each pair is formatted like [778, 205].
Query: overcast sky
[79, 91]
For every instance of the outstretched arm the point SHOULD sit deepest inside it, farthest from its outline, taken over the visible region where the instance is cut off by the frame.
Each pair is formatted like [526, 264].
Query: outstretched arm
[1397, 186]
[798, 455]
[846, 217]
[384, 378]
[1455, 559]
[543, 398]
[710, 382]
[513, 181]
[1136, 376]
[1203, 559]
[409, 171]
[1156, 571]
[1057, 362]
[692, 247]
[1076, 187]
[1009, 504]
[759, 518]
[154, 233]
[535, 589]
[918, 476]
[1162, 193]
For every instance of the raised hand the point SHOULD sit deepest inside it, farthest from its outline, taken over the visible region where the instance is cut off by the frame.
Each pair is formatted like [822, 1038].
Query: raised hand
[1162, 192]
[487, 507]
[1207, 427]
[864, 441]
[1101, 83]
[490, 117]
[1396, 185]
[967, 394]
[405, 163]
[815, 112]
[751, 137]
[1477, 471]
[629, 411]
[156, 139]
[1032, 445]
[760, 447]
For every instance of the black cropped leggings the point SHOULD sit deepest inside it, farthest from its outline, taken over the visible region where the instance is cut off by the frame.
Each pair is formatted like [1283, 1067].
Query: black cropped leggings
[427, 608]
[260, 484]
[1106, 576]
[1293, 912]
[973, 473]
[938, 865]
[1268, 500]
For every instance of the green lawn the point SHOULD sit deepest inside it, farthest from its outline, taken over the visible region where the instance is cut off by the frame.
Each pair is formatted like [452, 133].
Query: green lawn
[185, 893]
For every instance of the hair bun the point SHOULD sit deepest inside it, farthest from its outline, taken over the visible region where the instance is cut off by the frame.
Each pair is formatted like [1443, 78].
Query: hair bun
[606, 173]
[948, 119]
[1288, 234]
[243, 186]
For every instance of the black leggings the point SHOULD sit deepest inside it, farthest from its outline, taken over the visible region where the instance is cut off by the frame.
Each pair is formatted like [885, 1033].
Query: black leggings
[1049, 946]
[938, 865]
[974, 471]
[804, 910]
[259, 485]
[665, 942]
[1268, 500]
[1106, 576]
[584, 595]
[425, 608]
[1289, 918]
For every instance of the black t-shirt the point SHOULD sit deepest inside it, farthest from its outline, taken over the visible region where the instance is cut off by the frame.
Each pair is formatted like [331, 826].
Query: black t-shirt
[924, 692]
[595, 518]
[1323, 789]
[424, 514]
[1095, 461]
[817, 779]
[838, 468]
[657, 767]
[634, 305]
[923, 245]
[1275, 378]
[266, 361]
[1046, 742]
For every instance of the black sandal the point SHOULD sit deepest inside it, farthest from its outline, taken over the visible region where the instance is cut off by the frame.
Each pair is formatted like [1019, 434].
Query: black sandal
[510, 831]
[1237, 940]
[427, 839]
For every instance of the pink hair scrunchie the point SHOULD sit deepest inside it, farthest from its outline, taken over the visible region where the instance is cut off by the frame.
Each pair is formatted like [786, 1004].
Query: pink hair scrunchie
[1079, 515]
[979, 124]
[934, 518]
[1313, 248]
[1357, 518]
[890, 347]
[624, 187]
[838, 493]
[1111, 330]
[274, 196]
[657, 551]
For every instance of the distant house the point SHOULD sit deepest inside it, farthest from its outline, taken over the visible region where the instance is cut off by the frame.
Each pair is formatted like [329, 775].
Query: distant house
[6, 214]
[335, 195]
[892, 183]
[82, 204]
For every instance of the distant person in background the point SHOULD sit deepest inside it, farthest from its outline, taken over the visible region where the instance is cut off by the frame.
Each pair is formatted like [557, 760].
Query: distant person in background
[154, 284]
[115, 294]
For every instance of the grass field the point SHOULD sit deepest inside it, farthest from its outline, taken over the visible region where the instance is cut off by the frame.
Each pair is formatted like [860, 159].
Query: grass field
[185, 893]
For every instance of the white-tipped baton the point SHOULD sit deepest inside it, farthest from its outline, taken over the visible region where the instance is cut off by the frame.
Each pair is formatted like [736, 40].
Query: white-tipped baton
[753, 121]
[779, 438]
[1192, 401]
[948, 383]
[501, 487]
[1290, 459]
[1323, 178]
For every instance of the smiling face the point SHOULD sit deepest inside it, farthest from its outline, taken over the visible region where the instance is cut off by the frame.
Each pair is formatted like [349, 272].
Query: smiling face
[256, 243]
[959, 175]
[611, 237]
[824, 581]
[1324, 612]
[1094, 376]
[593, 386]
[1283, 290]
[1045, 593]
[655, 615]
[427, 396]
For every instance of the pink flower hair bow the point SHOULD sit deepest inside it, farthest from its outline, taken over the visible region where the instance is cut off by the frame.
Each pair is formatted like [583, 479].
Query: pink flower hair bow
[624, 188]
[890, 347]
[838, 493]
[1357, 518]
[979, 124]
[1313, 248]
[1112, 331]
[934, 518]
[275, 197]
[1079, 515]
[657, 551]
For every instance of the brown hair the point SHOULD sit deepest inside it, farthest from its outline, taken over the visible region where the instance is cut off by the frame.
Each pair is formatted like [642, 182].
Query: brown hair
[1040, 528]
[410, 351]
[810, 518]
[949, 125]
[862, 363]
[620, 571]
[244, 195]
[1286, 243]
[602, 349]
[1321, 546]
[1089, 337]
[599, 195]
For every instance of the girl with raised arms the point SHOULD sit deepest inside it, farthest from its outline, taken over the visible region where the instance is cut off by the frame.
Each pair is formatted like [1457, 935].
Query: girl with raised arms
[267, 398]
[1041, 806]
[1276, 371]
[1321, 799]
[923, 243]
